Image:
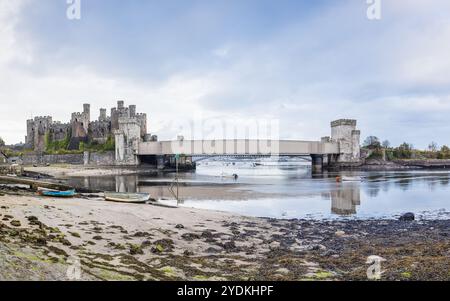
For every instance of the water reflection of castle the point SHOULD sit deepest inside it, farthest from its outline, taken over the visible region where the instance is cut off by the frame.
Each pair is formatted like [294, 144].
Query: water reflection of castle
[345, 199]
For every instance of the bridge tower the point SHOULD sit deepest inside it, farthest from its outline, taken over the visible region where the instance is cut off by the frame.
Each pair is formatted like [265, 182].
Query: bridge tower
[344, 132]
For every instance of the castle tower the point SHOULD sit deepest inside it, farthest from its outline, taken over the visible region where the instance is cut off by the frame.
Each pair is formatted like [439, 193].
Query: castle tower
[102, 116]
[132, 110]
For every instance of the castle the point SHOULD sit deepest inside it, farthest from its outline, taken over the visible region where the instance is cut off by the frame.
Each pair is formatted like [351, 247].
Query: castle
[43, 129]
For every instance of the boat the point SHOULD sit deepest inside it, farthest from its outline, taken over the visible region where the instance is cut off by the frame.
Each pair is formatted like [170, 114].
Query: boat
[349, 179]
[125, 197]
[233, 176]
[56, 193]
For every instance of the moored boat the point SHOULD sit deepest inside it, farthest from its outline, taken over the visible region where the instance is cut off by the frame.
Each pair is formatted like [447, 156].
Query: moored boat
[56, 193]
[125, 197]
[349, 179]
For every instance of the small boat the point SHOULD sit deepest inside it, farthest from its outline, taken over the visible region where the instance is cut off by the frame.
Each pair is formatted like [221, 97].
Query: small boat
[349, 179]
[56, 193]
[125, 197]
[233, 176]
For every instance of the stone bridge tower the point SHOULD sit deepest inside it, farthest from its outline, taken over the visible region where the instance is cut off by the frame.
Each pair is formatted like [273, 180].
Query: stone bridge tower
[344, 132]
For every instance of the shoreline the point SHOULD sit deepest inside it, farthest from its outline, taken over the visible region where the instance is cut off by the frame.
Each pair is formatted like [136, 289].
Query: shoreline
[144, 242]
[64, 170]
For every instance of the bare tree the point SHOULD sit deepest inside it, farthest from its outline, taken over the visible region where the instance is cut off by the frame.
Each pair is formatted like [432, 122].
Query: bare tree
[433, 147]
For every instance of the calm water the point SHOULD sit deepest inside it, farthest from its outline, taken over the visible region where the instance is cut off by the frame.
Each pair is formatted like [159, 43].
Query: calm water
[289, 190]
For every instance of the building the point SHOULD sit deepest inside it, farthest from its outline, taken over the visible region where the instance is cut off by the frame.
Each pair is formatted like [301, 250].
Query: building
[42, 130]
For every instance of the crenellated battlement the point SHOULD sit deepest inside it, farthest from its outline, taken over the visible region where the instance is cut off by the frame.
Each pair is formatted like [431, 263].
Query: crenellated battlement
[81, 127]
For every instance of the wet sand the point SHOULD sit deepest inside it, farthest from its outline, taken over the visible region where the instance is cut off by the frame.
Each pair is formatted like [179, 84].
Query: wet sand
[40, 238]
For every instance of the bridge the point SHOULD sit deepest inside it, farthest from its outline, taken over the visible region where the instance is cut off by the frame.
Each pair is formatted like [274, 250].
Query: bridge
[342, 146]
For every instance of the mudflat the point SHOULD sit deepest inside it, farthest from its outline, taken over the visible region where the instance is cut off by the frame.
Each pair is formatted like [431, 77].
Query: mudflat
[44, 238]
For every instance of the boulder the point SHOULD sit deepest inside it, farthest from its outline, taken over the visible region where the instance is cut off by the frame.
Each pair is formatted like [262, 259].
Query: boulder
[407, 217]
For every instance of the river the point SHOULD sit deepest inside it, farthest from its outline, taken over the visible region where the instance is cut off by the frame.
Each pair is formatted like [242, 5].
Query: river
[289, 190]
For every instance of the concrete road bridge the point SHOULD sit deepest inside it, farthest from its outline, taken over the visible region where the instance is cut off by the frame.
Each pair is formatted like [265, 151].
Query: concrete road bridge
[342, 146]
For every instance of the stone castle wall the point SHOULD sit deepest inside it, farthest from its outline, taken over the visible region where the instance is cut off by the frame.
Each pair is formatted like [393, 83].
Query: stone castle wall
[81, 128]
[97, 159]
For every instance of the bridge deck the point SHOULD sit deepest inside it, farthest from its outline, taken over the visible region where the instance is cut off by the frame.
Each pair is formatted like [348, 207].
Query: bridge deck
[238, 147]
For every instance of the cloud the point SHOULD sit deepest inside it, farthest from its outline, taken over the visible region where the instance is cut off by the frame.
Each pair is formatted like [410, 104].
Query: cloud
[301, 63]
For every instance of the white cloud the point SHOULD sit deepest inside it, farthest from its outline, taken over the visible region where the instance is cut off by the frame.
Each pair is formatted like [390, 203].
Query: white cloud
[331, 65]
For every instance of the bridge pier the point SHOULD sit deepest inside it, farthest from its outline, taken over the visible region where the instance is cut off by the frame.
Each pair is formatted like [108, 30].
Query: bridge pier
[161, 162]
[317, 163]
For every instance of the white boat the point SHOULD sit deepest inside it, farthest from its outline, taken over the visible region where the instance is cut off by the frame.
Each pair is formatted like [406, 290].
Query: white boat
[125, 197]
[349, 179]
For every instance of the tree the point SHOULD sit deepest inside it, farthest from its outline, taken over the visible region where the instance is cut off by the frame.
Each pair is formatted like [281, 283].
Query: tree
[372, 142]
[444, 153]
[2, 142]
[386, 144]
[433, 147]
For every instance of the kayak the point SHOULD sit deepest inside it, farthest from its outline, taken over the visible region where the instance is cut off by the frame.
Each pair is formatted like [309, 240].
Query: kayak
[125, 197]
[56, 193]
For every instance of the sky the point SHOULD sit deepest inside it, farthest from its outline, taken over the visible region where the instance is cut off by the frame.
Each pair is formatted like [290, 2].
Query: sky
[300, 63]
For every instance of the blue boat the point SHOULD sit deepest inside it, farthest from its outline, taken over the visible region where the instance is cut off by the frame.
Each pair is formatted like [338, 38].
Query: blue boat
[56, 193]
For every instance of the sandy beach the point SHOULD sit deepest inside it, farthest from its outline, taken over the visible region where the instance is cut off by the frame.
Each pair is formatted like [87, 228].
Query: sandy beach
[64, 170]
[44, 238]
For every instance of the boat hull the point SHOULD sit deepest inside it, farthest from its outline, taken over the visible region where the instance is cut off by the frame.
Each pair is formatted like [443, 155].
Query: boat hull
[133, 198]
[57, 194]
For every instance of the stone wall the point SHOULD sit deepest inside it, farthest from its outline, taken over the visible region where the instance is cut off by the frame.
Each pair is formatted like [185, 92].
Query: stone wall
[30, 159]
[96, 159]
[101, 159]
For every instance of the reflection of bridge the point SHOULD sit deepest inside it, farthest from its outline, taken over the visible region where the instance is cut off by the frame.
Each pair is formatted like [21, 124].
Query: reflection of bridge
[342, 146]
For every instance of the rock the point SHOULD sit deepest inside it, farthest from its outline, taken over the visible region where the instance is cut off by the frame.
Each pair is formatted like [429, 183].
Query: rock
[274, 245]
[179, 226]
[407, 217]
[136, 250]
[207, 234]
[316, 247]
[339, 233]
[75, 234]
[188, 253]
[212, 250]
[190, 236]
[141, 234]
[163, 245]
[283, 271]
[16, 223]
[229, 246]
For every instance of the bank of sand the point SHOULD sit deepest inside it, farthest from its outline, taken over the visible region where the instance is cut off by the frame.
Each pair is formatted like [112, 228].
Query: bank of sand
[40, 238]
[66, 170]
